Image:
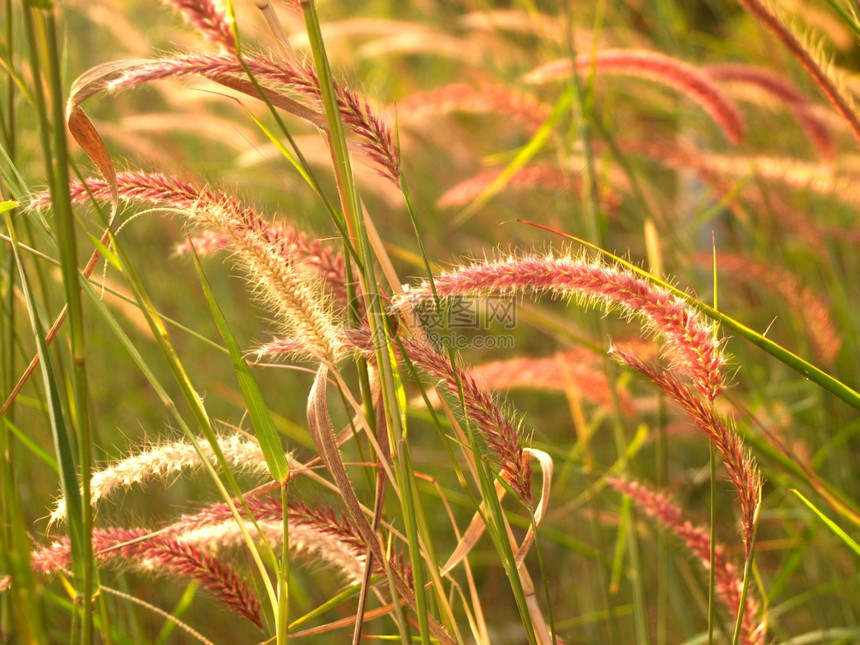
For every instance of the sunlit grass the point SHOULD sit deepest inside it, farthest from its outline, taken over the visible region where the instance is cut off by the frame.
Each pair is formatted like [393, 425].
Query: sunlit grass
[443, 325]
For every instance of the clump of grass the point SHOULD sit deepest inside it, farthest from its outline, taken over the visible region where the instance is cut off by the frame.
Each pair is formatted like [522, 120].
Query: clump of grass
[378, 482]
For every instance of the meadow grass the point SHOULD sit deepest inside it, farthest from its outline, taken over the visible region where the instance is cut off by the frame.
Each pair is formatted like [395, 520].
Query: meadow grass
[545, 325]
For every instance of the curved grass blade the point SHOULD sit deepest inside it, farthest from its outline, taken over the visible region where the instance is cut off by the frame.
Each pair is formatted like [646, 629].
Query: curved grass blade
[835, 528]
[320, 425]
[267, 434]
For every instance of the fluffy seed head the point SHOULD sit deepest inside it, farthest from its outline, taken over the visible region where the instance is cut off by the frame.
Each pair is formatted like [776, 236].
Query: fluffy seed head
[690, 345]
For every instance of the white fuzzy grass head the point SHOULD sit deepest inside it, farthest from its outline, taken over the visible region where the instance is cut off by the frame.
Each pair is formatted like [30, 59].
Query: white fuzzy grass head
[167, 460]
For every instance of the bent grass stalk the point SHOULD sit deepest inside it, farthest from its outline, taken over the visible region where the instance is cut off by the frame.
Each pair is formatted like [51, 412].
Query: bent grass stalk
[391, 402]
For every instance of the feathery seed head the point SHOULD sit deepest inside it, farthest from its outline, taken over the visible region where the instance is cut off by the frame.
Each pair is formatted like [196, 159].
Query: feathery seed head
[741, 467]
[164, 460]
[690, 346]
[728, 582]
[274, 258]
[208, 18]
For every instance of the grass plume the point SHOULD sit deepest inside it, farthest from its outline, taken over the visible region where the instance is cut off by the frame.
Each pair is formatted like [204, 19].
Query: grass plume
[655, 66]
[689, 347]
[271, 256]
[697, 540]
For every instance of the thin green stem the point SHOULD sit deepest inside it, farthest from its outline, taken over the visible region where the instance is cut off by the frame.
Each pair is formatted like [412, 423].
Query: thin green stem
[64, 219]
[56, 168]
[712, 585]
[846, 17]
[14, 540]
[583, 105]
[9, 124]
[60, 432]
[391, 387]
[200, 414]
[748, 570]
[282, 624]
[712, 466]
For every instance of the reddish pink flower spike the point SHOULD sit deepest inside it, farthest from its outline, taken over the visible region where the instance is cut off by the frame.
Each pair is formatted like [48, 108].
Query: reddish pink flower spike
[671, 72]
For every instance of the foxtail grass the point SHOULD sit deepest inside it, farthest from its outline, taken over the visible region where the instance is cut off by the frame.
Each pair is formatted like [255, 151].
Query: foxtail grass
[346, 487]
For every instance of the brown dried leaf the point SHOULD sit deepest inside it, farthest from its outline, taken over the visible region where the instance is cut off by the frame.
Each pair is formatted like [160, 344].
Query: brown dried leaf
[99, 78]
[324, 438]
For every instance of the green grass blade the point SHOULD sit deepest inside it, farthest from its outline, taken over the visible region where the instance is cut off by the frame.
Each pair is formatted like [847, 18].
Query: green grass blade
[16, 544]
[834, 528]
[67, 240]
[121, 262]
[63, 441]
[43, 455]
[391, 387]
[846, 17]
[179, 610]
[795, 362]
[270, 442]
[267, 435]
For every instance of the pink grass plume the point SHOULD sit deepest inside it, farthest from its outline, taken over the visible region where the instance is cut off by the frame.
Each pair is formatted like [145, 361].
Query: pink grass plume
[671, 72]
